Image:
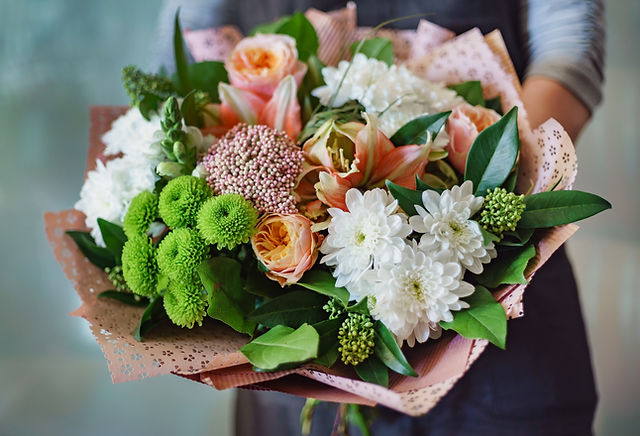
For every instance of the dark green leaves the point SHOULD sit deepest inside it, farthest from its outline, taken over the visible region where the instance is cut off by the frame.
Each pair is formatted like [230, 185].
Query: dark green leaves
[125, 297]
[484, 319]
[471, 91]
[418, 130]
[493, 154]
[99, 256]
[508, 267]
[180, 55]
[323, 283]
[375, 48]
[152, 315]
[373, 370]
[298, 27]
[114, 238]
[228, 302]
[206, 76]
[389, 352]
[291, 309]
[555, 208]
[282, 346]
[328, 345]
[407, 198]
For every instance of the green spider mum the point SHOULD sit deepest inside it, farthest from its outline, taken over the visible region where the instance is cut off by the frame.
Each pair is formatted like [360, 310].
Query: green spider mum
[185, 304]
[181, 200]
[227, 220]
[139, 266]
[356, 339]
[180, 253]
[501, 211]
[142, 211]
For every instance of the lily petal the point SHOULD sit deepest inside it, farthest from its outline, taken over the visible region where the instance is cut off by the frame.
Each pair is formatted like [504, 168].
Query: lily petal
[238, 105]
[282, 111]
[371, 146]
[332, 188]
[401, 165]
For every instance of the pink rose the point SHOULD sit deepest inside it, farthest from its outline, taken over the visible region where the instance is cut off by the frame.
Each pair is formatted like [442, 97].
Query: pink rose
[286, 245]
[463, 126]
[259, 63]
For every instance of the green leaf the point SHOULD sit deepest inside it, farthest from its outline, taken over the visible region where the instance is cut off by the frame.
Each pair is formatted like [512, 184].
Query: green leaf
[471, 91]
[298, 27]
[407, 198]
[508, 267]
[125, 297]
[418, 130]
[484, 319]
[322, 282]
[493, 154]
[292, 309]
[328, 344]
[517, 238]
[373, 371]
[495, 104]
[271, 27]
[151, 317]
[228, 302]
[180, 56]
[488, 237]
[282, 346]
[189, 110]
[258, 284]
[206, 76]
[422, 186]
[149, 105]
[361, 306]
[389, 352]
[555, 208]
[114, 238]
[99, 256]
[510, 183]
[375, 48]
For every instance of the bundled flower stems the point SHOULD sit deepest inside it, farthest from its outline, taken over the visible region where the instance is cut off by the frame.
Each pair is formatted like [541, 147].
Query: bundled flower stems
[335, 212]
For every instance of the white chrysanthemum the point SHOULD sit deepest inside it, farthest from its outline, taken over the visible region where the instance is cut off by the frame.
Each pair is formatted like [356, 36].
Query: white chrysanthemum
[132, 134]
[411, 297]
[110, 188]
[392, 91]
[370, 233]
[447, 228]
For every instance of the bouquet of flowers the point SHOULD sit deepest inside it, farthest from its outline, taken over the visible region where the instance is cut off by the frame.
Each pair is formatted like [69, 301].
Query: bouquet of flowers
[321, 200]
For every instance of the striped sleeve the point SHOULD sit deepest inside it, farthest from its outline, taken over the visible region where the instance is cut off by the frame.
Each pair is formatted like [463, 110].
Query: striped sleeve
[566, 43]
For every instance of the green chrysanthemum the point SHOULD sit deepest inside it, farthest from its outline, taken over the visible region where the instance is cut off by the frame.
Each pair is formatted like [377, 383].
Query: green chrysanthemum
[227, 220]
[501, 211]
[139, 266]
[180, 253]
[185, 304]
[181, 200]
[142, 211]
[356, 339]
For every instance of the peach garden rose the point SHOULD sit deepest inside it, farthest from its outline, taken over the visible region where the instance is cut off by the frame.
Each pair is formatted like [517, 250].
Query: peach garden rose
[463, 126]
[286, 245]
[259, 63]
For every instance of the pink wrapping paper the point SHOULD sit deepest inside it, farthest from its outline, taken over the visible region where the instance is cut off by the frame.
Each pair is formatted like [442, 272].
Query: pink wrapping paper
[209, 354]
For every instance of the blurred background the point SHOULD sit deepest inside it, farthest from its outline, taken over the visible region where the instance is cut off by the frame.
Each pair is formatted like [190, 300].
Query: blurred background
[59, 57]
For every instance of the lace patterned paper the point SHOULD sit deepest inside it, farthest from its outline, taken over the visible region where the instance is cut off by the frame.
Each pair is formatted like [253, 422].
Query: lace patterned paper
[209, 354]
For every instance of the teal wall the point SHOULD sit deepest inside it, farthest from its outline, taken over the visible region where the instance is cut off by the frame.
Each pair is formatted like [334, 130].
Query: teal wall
[59, 57]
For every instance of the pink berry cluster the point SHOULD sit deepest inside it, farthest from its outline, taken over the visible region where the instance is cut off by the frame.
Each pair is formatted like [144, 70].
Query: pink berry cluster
[257, 162]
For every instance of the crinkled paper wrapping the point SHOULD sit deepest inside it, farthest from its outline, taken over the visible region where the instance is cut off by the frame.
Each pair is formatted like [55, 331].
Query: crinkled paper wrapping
[210, 354]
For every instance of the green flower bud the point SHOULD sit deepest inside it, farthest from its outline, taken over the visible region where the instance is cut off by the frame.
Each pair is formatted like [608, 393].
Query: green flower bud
[181, 200]
[356, 339]
[117, 278]
[138, 84]
[179, 151]
[501, 211]
[334, 307]
[169, 169]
